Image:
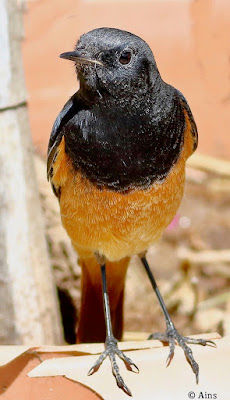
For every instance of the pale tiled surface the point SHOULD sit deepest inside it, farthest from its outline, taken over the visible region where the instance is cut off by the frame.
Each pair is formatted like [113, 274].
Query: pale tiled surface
[26, 378]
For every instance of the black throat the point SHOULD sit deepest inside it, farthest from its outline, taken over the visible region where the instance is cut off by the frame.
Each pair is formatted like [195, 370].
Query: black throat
[125, 145]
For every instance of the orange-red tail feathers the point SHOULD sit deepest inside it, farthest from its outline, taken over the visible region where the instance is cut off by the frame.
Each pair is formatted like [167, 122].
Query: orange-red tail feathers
[91, 326]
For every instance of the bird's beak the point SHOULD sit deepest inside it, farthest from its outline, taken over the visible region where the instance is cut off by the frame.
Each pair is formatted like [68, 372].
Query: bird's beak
[77, 58]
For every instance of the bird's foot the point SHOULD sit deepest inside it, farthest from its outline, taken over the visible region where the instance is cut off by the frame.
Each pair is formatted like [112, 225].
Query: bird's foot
[111, 350]
[171, 336]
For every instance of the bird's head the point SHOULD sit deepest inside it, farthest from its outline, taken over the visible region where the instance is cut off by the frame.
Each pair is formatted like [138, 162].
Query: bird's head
[115, 62]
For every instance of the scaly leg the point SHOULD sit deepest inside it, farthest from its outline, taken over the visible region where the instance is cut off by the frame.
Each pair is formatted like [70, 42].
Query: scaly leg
[171, 334]
[111, 348]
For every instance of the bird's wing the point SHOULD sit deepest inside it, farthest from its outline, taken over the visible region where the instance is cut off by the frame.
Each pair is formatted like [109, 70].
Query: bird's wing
[194, 132]
[68, 111]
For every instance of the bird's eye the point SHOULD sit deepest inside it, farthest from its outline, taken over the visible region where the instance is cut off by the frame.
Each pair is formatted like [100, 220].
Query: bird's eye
[125, 57]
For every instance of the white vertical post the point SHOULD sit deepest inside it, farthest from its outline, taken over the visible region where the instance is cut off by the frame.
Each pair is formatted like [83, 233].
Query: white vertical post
[29, 312]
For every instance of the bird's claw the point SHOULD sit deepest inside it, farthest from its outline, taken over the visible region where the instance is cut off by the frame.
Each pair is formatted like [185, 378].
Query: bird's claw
[171, 336]
[111, 350]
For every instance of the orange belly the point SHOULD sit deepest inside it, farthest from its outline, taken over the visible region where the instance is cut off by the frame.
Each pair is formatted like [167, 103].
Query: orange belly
[116, 224]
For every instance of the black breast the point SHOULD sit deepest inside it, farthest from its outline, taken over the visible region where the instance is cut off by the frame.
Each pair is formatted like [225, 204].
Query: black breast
[122, 150]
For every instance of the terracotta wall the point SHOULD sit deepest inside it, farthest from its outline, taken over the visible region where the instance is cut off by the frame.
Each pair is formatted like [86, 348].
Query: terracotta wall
[190, 41]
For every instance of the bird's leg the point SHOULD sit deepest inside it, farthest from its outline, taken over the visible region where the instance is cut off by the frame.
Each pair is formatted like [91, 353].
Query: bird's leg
[111, 348]
[171, 334]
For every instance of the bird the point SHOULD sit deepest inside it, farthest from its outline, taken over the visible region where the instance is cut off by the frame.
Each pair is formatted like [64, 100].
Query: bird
[116, 163]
